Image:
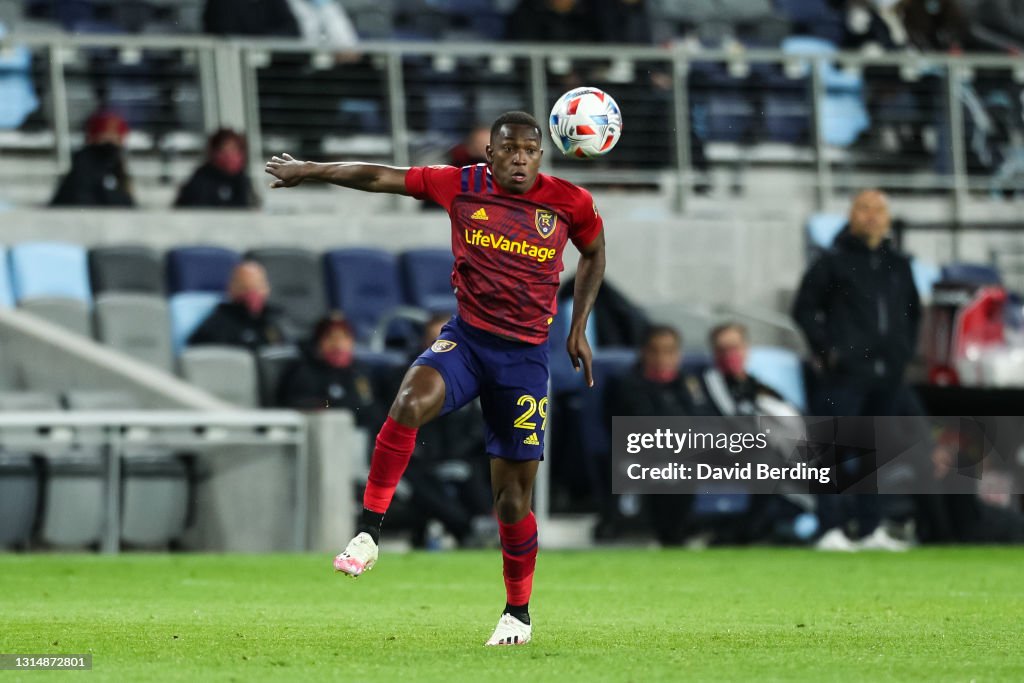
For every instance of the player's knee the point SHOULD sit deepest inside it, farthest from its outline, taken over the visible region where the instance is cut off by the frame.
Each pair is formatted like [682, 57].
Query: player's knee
[511, 505]
[410, 408]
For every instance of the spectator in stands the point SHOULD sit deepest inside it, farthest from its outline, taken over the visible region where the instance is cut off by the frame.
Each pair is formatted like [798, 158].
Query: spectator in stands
[324, 22]
[859, 310]
[552, 21]
[449, 472]
[655, 387]
[221, 182]
[249, 18]
[1005, 18]
[617, 320]
[935, 25]
[728, 387]
[472, 149]
[328, 375]
[246, 319]
[98, 175]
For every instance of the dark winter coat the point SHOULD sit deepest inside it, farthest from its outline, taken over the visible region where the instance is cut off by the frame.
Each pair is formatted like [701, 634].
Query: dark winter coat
[859, 310]
[232, 324]
[98, 177]
[310, 384]
[211, 187]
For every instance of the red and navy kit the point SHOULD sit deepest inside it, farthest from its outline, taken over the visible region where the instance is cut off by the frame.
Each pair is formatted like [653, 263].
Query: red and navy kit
[508, 247]
[508, 256]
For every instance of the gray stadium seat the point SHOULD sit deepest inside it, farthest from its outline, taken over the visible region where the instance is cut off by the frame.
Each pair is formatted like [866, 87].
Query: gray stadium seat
[21, 401]
[154, 506]
[83, 399]
[227, 372]
[75, 497]
[126, 268]
[296, 283]
[271, 362]
[138, 325]
[70, 314]
[19, 498]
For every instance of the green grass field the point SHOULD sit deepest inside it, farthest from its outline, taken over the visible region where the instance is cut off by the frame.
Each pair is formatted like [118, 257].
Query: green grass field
[628, 615]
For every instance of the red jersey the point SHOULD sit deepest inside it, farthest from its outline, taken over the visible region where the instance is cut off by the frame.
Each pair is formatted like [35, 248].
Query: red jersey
[508, 247]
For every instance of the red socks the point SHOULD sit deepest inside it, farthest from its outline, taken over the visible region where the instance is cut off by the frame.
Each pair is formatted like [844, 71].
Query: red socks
[395, 444]
[519, 552]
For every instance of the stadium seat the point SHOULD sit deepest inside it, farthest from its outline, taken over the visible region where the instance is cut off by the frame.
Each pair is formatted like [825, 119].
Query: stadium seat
[296, 283]
[155, 498]
[925, 276]
[426, 276]
[19, 498]
[17, 94]
[71, 314]
[822, 229]
[200, 269]
[271, 362]
[188, 311]
[126, 268]
[86, 399]
[138, 325]
[50, 269]
[364, 285]
[971, 273]
[6, 292]
[21, 401]
[386, 369]
[74, 495]
[782, 370]
[595, 436]
[227, 372]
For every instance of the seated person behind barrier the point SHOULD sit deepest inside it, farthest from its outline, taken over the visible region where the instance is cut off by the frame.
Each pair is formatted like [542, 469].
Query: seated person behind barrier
[246, 319]
[222, 181]
[327, 375]
[98, 175]
[728, 387]
[655, 387]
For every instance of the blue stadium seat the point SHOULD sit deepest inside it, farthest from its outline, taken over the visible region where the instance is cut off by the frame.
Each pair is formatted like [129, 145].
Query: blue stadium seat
[17, 95]
[814, 17]
[6, 292]
[971, 273]
[426, 276]
[364, 284]
[782, 370]
[200, 269]
[188, 310]
[51, 270]
[925, 277]
[595, 437]
[822, 229]
[563, 376]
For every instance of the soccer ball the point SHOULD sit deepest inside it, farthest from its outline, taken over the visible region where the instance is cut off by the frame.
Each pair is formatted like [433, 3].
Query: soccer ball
[585, 123]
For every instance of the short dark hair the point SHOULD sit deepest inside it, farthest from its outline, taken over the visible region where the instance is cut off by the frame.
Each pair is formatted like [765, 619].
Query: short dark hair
[222, 136]
[718, 330]
[331, 321]
[515, 118]
[659, 329]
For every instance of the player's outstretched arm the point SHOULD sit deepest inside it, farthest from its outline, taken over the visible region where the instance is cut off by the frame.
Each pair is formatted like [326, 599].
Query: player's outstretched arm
[290, 172]
[589, 273]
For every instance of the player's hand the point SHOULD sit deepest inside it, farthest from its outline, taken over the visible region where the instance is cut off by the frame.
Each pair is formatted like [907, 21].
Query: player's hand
[288, 171]
[580, 354]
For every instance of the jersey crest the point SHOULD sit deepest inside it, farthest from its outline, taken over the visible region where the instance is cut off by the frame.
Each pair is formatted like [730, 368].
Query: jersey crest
[545, 221]
[443, 345]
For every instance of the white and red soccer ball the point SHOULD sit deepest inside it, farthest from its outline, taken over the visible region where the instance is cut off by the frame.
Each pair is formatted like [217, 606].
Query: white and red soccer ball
[585, 123]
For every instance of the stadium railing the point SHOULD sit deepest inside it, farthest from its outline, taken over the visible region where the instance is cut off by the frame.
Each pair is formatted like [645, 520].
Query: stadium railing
[942, 119]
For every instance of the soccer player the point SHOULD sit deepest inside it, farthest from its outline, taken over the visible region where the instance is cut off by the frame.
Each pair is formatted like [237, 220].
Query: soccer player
[510, 225]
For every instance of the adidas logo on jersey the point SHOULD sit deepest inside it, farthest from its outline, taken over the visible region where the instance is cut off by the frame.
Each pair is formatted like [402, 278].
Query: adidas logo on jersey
[480, 215]
[532, 440]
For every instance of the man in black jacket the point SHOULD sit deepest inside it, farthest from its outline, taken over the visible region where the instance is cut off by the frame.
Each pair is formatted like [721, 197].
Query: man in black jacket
[246, 319]
[98, 174]
[859, 310]
[222, 181]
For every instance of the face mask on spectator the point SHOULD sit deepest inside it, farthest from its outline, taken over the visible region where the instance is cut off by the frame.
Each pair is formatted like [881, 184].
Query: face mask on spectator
[254, 302]
[730, 362]
[229, 159]
[661, 375]
[337, 358]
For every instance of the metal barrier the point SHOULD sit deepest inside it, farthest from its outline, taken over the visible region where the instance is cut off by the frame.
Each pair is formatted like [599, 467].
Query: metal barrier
[932, 122]
[113, 431]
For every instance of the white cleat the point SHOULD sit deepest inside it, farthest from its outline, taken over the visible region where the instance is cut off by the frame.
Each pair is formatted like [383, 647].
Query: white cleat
[881, 539]
[834, 540]
[359, 556]
[510, 631]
